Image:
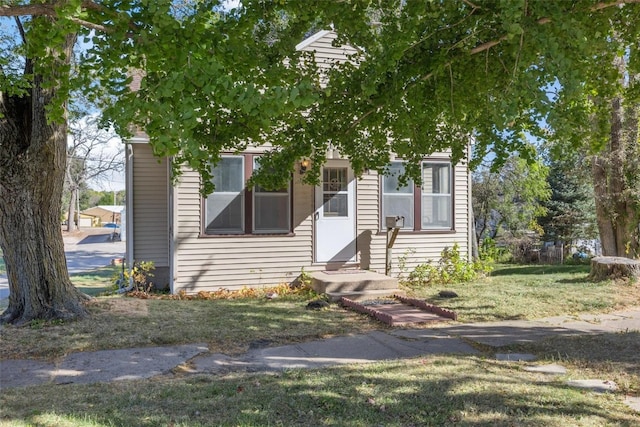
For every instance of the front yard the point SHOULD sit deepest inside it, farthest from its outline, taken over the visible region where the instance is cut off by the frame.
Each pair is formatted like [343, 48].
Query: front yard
[434, 390]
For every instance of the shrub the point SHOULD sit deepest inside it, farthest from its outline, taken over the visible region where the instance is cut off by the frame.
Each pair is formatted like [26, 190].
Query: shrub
[140, 274]
[422, 275]
[491, 253]
[452, 268]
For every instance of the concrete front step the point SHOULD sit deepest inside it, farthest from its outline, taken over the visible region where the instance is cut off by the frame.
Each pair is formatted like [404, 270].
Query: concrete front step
[359, 284]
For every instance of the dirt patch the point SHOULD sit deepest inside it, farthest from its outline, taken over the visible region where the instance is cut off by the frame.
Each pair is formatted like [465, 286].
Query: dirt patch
[123, 306]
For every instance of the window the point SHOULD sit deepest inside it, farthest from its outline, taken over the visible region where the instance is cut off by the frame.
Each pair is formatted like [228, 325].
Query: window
[225, 206]
[436, 195]
[397, 200]
[431, 203]
[334, 192]
[271, 208]
[234, 209]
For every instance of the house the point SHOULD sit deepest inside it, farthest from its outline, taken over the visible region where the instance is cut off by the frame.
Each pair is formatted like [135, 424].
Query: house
[104, 214]
[86, 220]
[242, 236]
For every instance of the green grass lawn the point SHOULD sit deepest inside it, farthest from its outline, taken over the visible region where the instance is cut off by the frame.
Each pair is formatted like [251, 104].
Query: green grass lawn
[96, 282]
[528, 292]
[511, 292]
[433, 391]
[437, 390]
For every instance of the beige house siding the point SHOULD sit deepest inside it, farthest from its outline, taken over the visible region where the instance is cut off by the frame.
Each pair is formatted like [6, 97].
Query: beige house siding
[207, 263]
[326, 55]
[151, 211]
[420, 248]
[213, 262]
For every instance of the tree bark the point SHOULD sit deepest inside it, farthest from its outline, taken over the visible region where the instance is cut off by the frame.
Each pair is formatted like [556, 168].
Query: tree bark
[32, 168]
[605, 267]
[599, 168]
[614, 171]
[71, 215]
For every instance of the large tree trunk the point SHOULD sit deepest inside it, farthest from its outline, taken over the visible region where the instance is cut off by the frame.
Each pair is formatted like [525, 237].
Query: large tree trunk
[600, 166]
[615, 173]
[32, 168]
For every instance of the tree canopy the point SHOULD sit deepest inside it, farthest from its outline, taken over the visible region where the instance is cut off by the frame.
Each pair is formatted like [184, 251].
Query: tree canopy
[428, 74]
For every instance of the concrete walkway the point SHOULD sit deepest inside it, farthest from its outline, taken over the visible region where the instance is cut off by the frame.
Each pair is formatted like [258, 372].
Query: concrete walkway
[141, 363]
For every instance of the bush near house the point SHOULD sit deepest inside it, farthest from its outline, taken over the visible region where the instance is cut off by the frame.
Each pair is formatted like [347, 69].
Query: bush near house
[452, 268]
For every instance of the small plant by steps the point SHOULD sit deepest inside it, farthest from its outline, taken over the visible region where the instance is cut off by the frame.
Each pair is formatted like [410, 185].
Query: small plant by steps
[452, 268]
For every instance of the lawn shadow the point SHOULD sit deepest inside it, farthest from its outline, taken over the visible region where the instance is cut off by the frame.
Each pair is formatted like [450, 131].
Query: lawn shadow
[576, 280]
[606, 351]
[539, 270]
[460, 390]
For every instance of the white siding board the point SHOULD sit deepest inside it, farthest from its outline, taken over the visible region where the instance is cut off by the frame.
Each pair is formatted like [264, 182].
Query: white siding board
[150, 207]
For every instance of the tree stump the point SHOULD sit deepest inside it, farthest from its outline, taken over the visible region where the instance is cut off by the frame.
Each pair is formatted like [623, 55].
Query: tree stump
[613, 267]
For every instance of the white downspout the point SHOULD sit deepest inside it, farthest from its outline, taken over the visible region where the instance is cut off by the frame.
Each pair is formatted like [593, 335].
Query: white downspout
[129, 205]
[172, 228]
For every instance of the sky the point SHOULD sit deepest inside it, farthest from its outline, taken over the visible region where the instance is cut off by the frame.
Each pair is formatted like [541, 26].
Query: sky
[104, 144]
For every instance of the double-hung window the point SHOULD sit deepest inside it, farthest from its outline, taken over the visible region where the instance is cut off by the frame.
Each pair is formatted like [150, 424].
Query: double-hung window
[397, 200]
[436, 195]
[271, 208]
[225, 206]
[426, 207]
[234, 209]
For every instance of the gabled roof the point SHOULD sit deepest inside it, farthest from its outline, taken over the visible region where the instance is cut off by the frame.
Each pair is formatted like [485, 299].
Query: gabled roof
[112, 208]
[102, 209]
[317, 36]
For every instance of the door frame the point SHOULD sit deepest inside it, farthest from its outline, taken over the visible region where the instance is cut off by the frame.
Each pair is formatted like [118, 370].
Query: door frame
[352, 212]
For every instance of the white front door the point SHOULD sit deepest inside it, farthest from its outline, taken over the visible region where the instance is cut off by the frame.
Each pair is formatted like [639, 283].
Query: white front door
[335, 219]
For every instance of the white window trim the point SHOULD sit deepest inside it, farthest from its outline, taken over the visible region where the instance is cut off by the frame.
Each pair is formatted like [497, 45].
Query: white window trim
[419, 224]
[448, 196]
[249, 157]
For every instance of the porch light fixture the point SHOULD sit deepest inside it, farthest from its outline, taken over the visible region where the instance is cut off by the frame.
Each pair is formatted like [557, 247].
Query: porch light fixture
[304, 164]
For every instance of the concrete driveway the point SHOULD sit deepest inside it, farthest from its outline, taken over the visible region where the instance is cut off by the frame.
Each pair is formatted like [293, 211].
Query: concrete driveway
[85, 251]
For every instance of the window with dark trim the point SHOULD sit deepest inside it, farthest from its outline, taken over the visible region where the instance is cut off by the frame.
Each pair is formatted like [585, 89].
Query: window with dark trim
[234, 209]
[425, 208]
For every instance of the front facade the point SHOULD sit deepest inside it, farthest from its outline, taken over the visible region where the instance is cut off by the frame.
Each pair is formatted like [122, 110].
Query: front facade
[241, 236]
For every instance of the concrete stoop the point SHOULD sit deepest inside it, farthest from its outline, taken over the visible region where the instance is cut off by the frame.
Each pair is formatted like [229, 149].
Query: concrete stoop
[354, 284]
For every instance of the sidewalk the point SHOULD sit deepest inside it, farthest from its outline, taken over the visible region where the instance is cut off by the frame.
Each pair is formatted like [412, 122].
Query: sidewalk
[141, 363]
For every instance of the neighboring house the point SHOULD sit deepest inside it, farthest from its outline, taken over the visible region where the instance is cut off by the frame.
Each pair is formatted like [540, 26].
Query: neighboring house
[87, 221]
[105, 214]
[241, 236]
